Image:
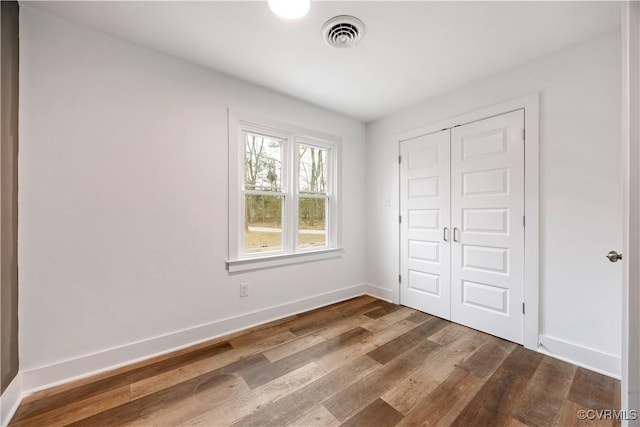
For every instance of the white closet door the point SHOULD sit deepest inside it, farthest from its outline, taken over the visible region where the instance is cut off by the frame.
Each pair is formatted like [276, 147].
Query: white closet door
[487, 212]
[425, 209]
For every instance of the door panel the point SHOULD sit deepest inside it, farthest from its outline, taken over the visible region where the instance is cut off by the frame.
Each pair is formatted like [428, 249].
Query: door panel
[487, 209]
[425, 209]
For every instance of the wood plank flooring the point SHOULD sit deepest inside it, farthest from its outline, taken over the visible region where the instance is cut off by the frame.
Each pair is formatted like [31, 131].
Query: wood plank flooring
[361, 362]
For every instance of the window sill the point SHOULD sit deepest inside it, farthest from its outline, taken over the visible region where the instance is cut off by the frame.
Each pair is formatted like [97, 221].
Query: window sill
[257, 263]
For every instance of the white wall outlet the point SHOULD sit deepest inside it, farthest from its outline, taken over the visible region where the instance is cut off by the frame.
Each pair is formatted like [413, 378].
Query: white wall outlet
[244, 289]
[387, 201]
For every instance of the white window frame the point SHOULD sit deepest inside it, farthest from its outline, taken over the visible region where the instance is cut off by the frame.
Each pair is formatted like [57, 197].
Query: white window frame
[292, 138]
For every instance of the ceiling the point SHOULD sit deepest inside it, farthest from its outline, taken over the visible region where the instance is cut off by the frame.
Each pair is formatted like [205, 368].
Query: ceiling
[412, 50]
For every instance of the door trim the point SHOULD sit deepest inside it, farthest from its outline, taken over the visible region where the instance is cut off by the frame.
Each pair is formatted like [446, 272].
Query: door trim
[630, 384]
[530, 104]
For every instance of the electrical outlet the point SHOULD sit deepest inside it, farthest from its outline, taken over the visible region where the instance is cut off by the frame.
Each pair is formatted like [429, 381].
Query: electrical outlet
[244, 289]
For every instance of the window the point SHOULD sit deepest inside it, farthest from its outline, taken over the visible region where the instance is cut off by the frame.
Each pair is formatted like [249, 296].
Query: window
[283, 194]
[313, 198]
[263, 193]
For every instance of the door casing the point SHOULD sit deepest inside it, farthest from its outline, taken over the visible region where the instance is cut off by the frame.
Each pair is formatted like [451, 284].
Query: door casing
[630, 384]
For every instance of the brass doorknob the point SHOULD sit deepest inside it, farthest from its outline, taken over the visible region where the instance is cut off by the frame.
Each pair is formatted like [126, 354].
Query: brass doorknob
[614, 256]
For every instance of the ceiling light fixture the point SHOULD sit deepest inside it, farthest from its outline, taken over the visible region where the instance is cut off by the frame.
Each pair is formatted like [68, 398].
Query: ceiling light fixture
[290, 9]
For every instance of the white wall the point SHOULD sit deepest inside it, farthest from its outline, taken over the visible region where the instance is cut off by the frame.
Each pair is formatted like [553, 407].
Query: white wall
[123, 203]
[580, 192]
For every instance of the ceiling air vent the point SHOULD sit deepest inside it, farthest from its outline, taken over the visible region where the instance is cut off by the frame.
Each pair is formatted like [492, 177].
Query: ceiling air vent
[343, 31]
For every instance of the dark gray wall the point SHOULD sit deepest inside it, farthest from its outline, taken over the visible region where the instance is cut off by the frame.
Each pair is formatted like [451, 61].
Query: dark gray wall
[9, 193]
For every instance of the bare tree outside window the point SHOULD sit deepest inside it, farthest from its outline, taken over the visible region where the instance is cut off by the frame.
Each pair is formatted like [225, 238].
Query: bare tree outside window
[263, 163]
[263, 212]
[313, 170]
[312, 202]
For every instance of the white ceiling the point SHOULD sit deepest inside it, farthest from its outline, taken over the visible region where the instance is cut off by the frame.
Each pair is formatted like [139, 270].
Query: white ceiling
[412, 50]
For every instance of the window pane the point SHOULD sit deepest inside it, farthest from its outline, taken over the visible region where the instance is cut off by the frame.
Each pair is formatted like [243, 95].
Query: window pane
[263, 224]
[262, 163]
[312, 169]
[312, 222]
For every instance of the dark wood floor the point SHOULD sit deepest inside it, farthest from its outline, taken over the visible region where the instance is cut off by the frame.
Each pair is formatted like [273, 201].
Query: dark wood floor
[362, 362]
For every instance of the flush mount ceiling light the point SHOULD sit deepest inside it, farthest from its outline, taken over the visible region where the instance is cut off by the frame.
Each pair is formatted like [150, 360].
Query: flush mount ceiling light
[290, 9]
[343, 31]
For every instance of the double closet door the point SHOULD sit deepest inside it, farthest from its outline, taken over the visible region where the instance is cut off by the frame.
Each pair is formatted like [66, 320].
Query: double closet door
[462, 224]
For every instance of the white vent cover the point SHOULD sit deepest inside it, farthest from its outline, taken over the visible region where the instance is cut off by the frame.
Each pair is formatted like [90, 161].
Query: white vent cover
[343, 31]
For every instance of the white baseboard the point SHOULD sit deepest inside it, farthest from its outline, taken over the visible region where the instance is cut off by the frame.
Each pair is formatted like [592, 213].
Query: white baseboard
[10, 400]
[380, 293]
[58, 373]
[589, 358]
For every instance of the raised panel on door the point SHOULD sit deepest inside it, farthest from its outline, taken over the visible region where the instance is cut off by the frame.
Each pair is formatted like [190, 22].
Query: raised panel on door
[487, 208]
[425, 208]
